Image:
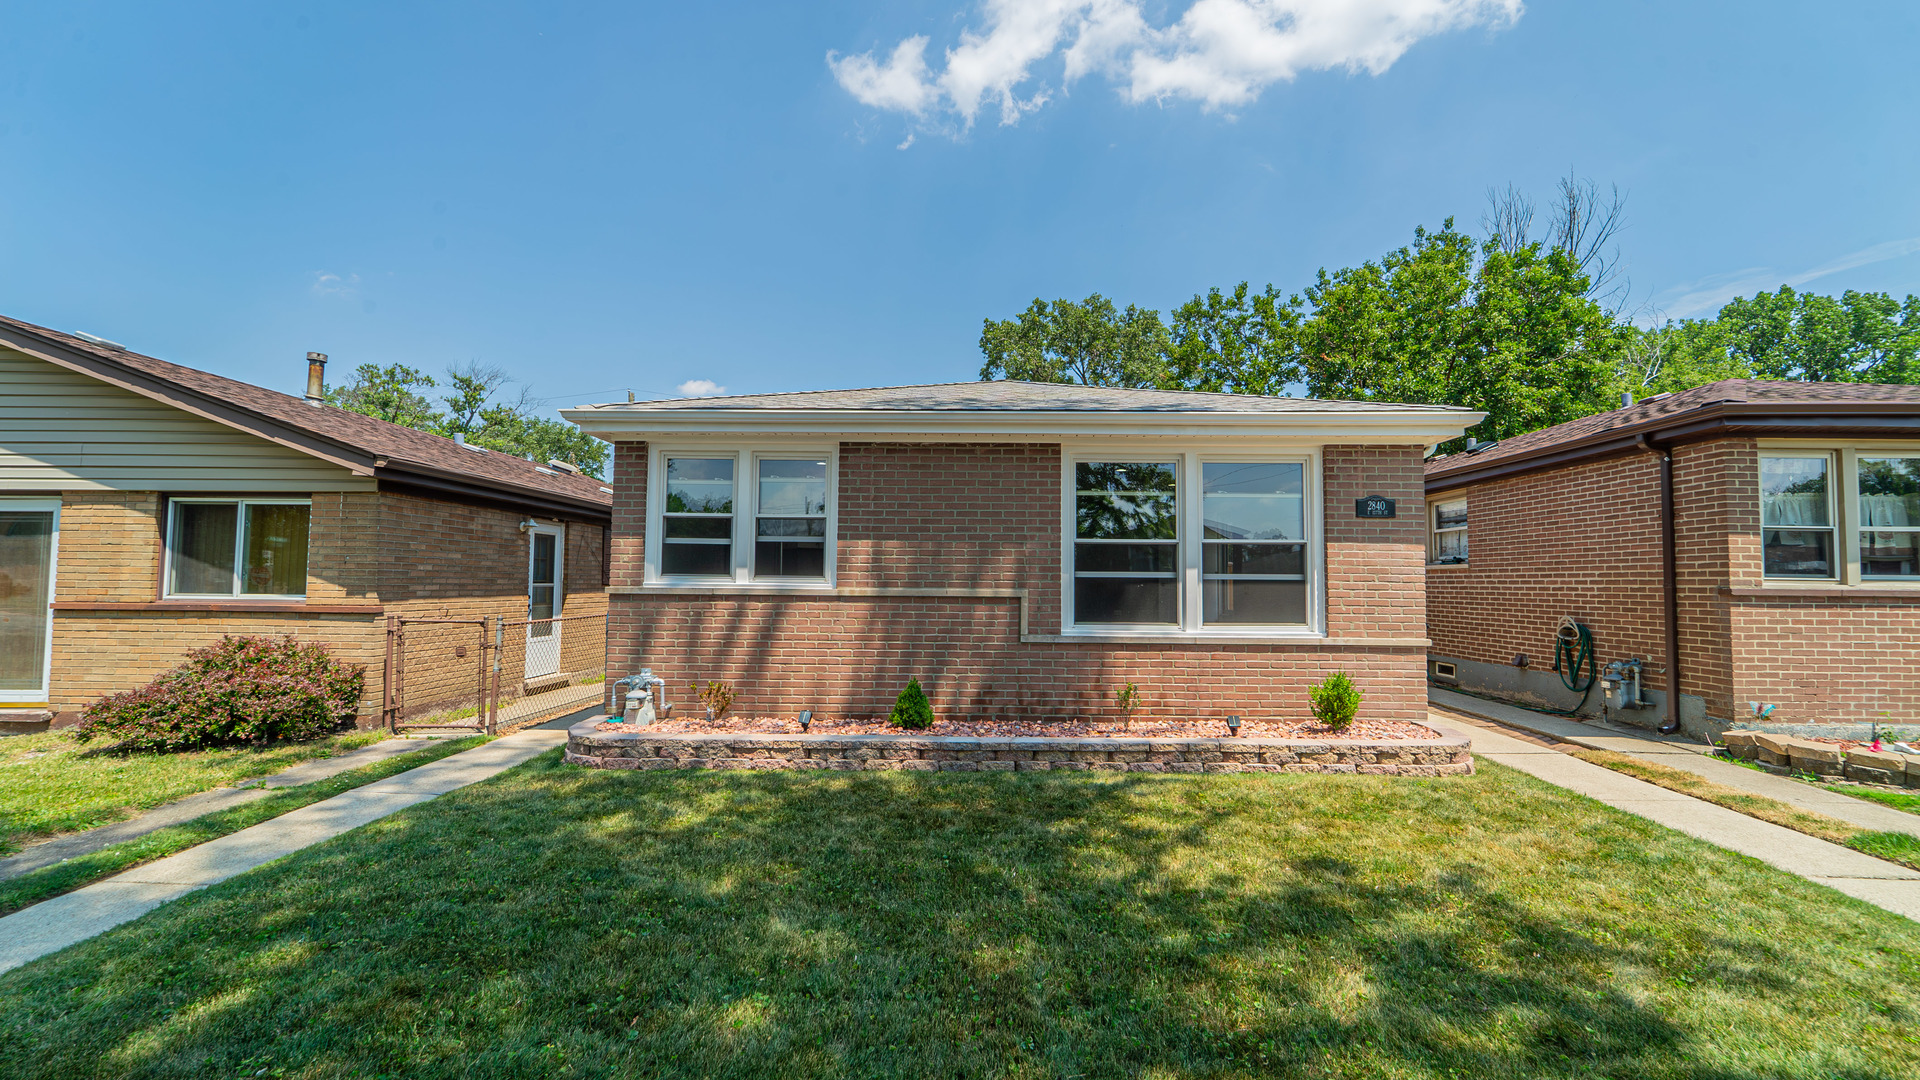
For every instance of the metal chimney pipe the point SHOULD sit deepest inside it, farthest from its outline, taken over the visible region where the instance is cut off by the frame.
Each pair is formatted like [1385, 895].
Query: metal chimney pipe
[316, 378]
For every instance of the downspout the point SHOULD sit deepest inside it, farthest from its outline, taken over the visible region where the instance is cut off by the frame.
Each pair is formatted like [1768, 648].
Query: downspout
[1670, 575]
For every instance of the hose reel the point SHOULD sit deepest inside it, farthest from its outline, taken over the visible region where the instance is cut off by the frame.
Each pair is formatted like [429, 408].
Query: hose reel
[1573, 647]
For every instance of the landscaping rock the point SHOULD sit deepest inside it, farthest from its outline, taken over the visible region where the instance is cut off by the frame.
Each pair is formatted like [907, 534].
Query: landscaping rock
[1876, 767]
[1773, 749]
[1817, 758]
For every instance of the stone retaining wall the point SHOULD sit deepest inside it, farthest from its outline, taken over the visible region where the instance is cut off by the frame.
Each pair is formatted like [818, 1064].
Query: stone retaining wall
[1788, 754]
[593, 748]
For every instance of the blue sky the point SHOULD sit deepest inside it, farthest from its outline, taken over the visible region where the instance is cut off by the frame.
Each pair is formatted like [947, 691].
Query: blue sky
[601, 197]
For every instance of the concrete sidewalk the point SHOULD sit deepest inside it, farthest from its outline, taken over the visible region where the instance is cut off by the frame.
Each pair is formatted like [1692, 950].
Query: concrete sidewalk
[60, 849]
[1862, 876]
[31, 933]
[1685, 754]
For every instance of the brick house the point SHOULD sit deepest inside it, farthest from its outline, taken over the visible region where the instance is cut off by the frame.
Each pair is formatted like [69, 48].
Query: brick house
[1765, 534]
[1022, 549]
[148, 508]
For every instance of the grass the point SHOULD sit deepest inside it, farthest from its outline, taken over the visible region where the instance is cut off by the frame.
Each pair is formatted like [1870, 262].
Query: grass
[564, 922]
[1899, 800]
[71, 874]
[1896, 847]
[52, 784]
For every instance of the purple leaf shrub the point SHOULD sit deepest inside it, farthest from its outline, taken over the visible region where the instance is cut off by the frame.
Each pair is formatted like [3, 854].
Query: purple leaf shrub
[243, 690]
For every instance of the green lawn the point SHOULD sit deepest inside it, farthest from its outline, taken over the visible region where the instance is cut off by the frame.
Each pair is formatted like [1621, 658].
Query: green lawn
[71, 874]
[562, 922]
[1899, 800]
[51, 784]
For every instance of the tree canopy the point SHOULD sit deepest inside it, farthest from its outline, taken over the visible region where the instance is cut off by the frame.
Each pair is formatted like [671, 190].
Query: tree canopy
[1515, 326]
[392, 393]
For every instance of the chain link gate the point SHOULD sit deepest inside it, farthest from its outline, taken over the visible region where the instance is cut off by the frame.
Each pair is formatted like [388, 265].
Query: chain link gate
[484, 673]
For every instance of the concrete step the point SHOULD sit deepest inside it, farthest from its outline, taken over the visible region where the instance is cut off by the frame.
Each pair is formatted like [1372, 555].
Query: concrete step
[24, 721]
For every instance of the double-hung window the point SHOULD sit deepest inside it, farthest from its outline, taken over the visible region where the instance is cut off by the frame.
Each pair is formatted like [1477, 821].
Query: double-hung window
[1253, 542]
[237, 547]
[1796, 516]
[696, 531]
[1182, 543]
[1126, 551]
[1447, 532]
[1889, 516]
[762, 517]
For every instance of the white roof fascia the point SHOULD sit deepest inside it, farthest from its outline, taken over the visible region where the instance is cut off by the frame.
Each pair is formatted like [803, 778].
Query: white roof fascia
[616, 423]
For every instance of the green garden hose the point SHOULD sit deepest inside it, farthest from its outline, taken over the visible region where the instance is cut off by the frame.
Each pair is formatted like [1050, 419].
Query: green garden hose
[1572, 647]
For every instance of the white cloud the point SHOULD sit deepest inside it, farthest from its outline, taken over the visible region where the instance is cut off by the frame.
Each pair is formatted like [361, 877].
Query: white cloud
[699, 388]
[1221, 53]
[1709, 294]
[330, 284]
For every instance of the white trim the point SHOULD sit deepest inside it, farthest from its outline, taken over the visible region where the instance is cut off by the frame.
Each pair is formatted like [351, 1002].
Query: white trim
[1190, 545]
[746, 456]
[44, 695]
[239, 548]
[1423, 425]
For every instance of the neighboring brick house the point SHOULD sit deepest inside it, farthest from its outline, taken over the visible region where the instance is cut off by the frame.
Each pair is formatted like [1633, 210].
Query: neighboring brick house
[148, 508]
[1022, 549]
[1793, 576]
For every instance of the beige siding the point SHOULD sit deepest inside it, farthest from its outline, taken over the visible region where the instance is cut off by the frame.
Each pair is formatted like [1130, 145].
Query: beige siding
[63, 431]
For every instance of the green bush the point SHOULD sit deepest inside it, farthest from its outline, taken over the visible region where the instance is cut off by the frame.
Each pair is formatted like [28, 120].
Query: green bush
[1335, 701]
[243, 690]
[912, 710]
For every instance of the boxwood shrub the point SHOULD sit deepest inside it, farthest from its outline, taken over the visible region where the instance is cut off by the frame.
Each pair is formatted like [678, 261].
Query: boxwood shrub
[244, 690]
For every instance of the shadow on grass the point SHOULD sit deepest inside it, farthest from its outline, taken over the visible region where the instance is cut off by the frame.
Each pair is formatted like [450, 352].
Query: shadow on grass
[559, 922]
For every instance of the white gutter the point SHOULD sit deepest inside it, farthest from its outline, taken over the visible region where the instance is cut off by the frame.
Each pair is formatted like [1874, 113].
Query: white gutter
[1424, 425]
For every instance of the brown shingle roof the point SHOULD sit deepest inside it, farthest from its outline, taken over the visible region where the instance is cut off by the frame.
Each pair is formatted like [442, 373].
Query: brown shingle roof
[1751, 406]
[385, 449]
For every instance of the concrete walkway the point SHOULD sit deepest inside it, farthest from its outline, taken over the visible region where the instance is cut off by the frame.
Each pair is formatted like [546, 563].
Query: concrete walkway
[1688, 755]
[1862, 876]
[48, 927]
[60, 849]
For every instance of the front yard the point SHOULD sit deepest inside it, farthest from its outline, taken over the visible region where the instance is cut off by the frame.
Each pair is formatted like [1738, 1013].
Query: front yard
[561, 922]
[52, 784]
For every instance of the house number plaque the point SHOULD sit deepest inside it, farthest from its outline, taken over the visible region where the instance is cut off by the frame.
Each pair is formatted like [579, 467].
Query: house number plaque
[1374, 506]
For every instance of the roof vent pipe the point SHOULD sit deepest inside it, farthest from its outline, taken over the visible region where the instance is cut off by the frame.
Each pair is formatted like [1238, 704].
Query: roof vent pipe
[316, 378]
[1626, 399]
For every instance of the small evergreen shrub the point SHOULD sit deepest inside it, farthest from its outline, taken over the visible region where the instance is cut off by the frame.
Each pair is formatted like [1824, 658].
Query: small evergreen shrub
[912, 710]
[242, 690]
[1335, 701]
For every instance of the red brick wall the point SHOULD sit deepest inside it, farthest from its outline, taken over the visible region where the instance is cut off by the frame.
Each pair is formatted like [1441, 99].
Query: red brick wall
[987, 516]
[1581, 541]
[1584, 540]
[411, 555]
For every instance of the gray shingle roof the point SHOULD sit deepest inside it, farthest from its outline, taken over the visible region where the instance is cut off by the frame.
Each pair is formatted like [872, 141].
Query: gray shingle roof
[1014, 396]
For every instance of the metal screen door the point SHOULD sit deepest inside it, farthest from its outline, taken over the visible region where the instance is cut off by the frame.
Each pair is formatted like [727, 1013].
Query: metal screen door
[546, 545]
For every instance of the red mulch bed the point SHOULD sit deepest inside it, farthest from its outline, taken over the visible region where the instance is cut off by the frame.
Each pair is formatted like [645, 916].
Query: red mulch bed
[1370, 730]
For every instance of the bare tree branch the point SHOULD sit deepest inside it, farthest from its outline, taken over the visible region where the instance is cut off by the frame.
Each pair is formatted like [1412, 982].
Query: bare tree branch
[1508, 219]
[1587, 229]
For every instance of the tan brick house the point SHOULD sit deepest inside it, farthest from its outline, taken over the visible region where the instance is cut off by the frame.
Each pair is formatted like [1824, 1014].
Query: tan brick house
[148, 508]
[1022, 549]
[1764, 535]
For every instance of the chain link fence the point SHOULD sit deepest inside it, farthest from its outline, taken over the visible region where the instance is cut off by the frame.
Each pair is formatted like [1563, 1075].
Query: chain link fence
[490, 674]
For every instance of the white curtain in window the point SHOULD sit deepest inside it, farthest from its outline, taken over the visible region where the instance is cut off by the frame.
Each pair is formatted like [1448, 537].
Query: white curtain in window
[1791, 510]
[1879, 511]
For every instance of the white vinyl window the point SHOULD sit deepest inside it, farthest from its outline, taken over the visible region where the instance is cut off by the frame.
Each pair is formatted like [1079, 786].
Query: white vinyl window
[1160, 543]
[1796, 515]
[761, 517]
[1447, 532]
[237, 548]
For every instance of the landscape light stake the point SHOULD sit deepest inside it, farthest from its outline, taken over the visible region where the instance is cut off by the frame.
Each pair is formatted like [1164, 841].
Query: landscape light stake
[1233, 724]
[806, 720]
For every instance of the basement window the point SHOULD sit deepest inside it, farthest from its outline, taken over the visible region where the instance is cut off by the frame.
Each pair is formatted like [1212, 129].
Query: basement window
[237, 547]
